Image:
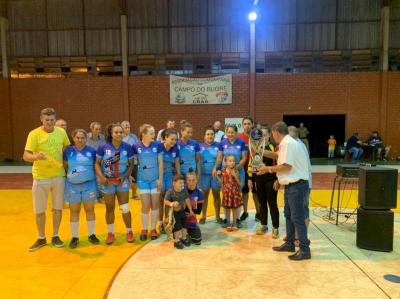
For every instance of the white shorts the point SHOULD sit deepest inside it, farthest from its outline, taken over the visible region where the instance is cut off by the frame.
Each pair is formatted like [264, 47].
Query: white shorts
[40, 193]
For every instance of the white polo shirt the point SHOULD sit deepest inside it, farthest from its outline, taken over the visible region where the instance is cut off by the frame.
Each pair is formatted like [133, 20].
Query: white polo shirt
[291, 153]
[304, 148]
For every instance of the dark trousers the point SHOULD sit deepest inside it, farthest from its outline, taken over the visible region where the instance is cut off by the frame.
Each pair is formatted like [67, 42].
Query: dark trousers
[268, 197]
[295, 214]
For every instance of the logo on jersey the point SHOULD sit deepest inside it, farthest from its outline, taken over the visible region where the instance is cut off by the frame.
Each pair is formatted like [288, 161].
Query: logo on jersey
[173, 155]
[238, 146]
[107, 152]
[154, 150]
[124, 153]
[88, 154]
[139, 150]
[191, 148]
[225, 146]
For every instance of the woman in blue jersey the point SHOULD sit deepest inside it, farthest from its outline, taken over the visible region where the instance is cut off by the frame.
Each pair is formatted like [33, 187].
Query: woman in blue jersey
[131, 139]
[150, 178]
[235, 147]
[80, 186]
[171, 166]
[208, 156]
[114, 162]
[188, 151]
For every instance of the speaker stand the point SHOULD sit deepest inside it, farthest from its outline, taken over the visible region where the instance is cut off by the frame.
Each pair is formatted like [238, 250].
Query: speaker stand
[337, 185]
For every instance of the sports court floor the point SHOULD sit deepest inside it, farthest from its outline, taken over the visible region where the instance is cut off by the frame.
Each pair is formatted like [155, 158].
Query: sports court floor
[226, 265]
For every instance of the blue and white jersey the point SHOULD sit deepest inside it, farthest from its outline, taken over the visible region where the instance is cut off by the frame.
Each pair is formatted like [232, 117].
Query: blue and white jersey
[208, 154]
[236, 149]
[80, 164]
[148, 160]
[187, 155]
[131, 139]
[115, 160]
[169, 158]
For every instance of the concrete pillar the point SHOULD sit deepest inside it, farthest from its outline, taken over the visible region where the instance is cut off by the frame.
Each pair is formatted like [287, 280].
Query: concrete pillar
[3, 42]
[385, 25]
[252, 74]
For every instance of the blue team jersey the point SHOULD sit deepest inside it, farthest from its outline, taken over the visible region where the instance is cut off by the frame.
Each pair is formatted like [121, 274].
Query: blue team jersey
[169, 158]
[80, 164]
[131, 139]
[236, 149]
[208, 155]
[115, 161]
[187, 155]
[148, 160]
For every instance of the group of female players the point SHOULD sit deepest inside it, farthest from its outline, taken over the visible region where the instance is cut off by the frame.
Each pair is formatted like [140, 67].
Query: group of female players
[110, 168]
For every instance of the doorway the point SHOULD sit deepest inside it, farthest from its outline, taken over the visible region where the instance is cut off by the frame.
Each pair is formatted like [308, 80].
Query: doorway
[320, 128]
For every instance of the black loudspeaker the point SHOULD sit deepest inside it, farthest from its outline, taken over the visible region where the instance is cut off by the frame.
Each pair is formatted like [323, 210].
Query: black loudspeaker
[375, 229]
[377, 188]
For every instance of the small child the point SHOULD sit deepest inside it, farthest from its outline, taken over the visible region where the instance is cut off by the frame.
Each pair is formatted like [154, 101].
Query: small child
[178, 198]
[196, 200]
[231, 199]
[331, 146]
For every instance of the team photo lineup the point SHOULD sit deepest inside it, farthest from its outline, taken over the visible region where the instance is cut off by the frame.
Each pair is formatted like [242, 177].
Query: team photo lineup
[173, 176]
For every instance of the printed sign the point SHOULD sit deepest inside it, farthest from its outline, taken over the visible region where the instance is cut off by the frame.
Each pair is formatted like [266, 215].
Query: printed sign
[237, 121]
[200, 91]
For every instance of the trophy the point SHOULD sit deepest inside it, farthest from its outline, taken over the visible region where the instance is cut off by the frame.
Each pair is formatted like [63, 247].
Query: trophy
[256, 147]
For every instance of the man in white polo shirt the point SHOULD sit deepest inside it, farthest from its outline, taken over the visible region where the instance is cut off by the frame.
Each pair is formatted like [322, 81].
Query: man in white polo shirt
[293, 172]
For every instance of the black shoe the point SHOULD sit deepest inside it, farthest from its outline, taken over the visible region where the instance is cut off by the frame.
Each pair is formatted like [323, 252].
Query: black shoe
[284, 247]
[186, 241]
[74, 243]
[93, 239]
[257, 217]
[244, 216]
[143, 237]
[224, 221]
[239, 223]
[179, 245]
[300, 255]
[56, 241]
[38, 244]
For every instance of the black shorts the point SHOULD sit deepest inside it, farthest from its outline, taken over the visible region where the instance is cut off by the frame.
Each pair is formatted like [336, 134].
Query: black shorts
[245, 188]
[180, 220]
[195, 235]
[134, 173]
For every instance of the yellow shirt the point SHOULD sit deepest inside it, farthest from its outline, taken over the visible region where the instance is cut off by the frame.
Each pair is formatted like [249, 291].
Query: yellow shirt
[51, 144]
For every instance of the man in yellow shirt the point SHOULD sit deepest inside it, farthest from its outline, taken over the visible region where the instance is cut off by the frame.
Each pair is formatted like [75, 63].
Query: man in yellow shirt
[44, 148]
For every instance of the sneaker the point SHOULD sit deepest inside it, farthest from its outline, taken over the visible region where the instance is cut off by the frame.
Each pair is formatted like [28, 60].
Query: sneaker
[56, 241]
[110, 238]
[275, 233]
[178, 245]
[244, 216]
[38, 244]
[257, 217]
[202, 221]
[285, 247]
[186, 241]
[161, 228]
[74, 243]
[261, 229]
[143, 235]
[129, 237]
[228, 229]
[93, 239]
[239, 223]
[300, 255]
[154, 234]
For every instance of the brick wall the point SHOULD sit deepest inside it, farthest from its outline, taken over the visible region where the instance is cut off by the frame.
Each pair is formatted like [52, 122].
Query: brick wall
[82, 100]
[5, 121]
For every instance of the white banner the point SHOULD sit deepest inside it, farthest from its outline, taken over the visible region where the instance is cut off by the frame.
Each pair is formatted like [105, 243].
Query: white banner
[237, 121]
[200, 91]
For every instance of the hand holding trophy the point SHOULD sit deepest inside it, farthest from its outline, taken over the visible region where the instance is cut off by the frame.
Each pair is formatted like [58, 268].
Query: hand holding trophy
[256, 147]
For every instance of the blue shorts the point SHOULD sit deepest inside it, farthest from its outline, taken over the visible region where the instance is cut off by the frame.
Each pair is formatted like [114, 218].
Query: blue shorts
[83, 192]
[207, 181]
[112, 188]
[167, 182]
[147, 187]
